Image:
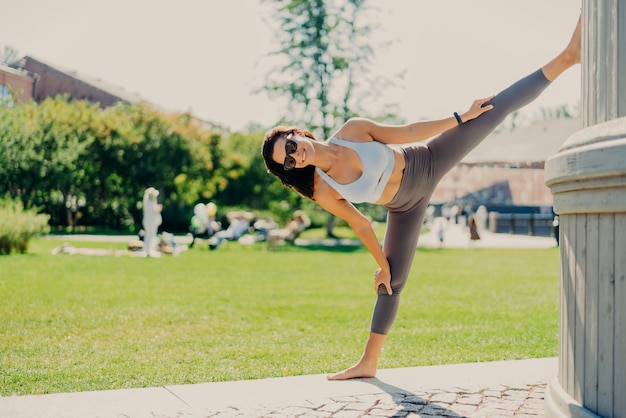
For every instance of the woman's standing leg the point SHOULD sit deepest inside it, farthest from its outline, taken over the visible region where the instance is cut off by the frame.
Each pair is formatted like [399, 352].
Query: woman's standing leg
[403, 229]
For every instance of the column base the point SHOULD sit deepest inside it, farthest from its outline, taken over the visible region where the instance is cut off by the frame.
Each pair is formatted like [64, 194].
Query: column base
[558, 404]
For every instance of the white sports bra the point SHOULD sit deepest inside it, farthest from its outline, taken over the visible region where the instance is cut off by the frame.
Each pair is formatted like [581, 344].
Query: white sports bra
[377, 160]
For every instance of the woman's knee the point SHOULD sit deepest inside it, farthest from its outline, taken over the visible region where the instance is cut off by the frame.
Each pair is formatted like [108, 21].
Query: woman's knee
[396, 285]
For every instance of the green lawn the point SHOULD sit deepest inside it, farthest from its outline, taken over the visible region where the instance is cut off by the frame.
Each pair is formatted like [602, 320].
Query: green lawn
[75, 323]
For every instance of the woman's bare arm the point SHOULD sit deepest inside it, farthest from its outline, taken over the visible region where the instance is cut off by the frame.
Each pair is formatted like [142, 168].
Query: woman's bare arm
[362, 228]
[362, 130]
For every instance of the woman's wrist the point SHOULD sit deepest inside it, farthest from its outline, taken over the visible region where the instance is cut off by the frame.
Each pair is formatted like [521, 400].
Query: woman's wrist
[385, 267]
[459, 119]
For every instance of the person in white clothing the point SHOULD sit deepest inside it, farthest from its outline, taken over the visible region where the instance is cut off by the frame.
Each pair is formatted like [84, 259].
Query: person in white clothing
[151, 221]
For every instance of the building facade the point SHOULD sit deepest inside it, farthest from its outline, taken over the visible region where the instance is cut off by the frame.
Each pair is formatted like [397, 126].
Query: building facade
[16, 84]
[31, 78]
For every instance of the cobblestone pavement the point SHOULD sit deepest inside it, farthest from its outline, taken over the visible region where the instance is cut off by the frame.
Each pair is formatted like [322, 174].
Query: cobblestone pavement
[520, 401]
[514, 388]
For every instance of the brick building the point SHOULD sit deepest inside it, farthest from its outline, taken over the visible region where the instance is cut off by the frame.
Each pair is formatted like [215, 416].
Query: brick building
[33, 78]
[507, 167]
[16, 81]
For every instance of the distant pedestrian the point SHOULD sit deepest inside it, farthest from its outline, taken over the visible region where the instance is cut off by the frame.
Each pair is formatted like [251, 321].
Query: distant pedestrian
[473, 228]
[481, 216]
[440, 225]
[555, 229]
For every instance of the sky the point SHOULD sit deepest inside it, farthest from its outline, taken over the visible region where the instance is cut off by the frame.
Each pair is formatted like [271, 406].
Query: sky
[208, 56]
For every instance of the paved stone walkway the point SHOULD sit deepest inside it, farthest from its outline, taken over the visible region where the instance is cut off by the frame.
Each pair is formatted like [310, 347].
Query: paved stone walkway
[513, 388]
[521, 401]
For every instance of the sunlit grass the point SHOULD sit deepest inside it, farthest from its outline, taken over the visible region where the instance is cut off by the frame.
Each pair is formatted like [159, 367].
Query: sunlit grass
[74, 323]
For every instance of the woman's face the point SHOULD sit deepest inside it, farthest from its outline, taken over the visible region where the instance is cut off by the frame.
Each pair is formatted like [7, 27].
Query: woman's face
[293, 151]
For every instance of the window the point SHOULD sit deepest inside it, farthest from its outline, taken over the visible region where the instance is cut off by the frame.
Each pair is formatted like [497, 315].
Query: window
[6, 98]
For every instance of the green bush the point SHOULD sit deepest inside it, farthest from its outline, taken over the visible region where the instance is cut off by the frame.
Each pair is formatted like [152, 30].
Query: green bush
[19, 225]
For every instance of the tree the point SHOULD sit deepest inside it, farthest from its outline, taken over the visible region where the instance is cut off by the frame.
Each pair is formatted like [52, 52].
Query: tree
[41, 147]
[251, 186]
[8, 55]
[325, 46]
[559, 112]
[71, 159]
[326, 49]
[142, 147]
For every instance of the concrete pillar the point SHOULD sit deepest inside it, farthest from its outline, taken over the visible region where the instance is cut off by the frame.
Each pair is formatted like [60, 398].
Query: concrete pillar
[588, 180]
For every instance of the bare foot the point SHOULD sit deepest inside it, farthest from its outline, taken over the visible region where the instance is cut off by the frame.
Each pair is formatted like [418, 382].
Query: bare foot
[353, 372]
[567, 58]
[573, 48]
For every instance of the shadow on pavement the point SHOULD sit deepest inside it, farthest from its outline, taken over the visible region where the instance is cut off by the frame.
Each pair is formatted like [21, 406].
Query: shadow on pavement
[408, 402]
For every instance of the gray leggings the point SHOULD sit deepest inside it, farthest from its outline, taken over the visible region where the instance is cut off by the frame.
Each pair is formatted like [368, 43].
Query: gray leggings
[426, 164]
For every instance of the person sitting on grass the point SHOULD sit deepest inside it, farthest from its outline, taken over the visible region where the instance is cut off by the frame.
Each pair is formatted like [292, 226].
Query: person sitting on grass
[203, 224]
[292, 230]
[239, 225]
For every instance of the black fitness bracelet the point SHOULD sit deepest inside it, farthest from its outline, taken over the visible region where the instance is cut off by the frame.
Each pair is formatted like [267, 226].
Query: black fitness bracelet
[458, 118]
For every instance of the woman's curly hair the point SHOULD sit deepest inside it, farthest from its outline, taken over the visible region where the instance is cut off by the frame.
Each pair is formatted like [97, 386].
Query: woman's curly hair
[298, 179]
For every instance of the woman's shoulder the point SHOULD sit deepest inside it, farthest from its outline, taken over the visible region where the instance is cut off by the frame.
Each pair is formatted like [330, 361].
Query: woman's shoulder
[356, 130]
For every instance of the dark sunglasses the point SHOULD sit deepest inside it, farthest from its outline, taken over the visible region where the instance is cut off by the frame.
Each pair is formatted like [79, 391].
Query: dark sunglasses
[290, 148]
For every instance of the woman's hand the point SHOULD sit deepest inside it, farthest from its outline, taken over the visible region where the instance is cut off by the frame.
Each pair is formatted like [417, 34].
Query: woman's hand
[382, 277]
[476, 109]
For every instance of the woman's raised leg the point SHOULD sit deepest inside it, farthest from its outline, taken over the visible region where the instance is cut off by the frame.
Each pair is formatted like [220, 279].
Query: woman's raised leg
[451, 146]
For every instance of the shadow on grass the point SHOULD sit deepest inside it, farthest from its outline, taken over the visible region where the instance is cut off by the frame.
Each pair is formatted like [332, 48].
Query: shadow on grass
[340, 248]
[319, 247]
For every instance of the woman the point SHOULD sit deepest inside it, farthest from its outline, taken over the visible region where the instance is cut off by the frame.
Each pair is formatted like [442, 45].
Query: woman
[357, 165]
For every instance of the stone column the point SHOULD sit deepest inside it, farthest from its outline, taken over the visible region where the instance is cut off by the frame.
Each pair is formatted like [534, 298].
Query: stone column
[588, 180]
[603, 61]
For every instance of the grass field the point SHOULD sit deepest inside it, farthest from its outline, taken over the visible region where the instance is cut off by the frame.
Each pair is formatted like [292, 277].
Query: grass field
[76, 323]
